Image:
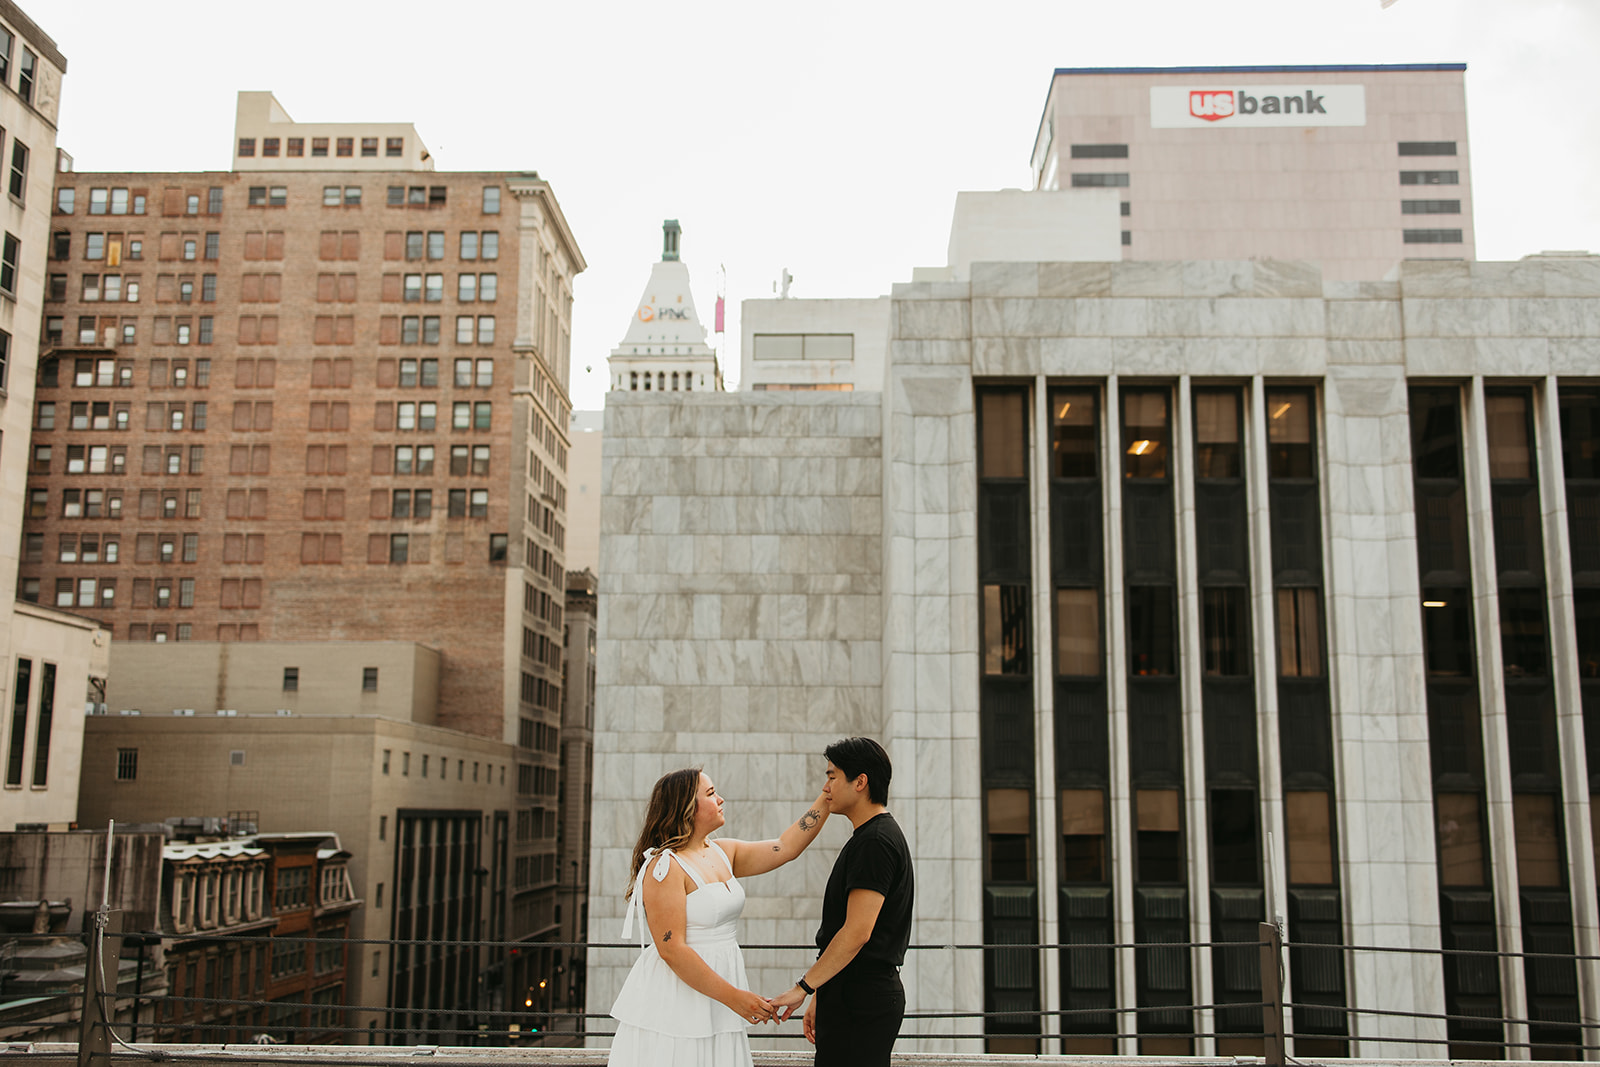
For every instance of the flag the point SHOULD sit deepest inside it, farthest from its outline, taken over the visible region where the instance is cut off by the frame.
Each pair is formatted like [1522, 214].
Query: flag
[719, 314]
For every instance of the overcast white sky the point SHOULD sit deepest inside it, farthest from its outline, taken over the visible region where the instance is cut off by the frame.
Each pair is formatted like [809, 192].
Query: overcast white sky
[829, 138]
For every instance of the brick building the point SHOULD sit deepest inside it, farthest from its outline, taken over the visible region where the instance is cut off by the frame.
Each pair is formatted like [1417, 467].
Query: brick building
[320, 397]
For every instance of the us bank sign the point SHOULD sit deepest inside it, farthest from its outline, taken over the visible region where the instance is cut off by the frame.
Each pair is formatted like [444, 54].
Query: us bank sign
[1222, 106]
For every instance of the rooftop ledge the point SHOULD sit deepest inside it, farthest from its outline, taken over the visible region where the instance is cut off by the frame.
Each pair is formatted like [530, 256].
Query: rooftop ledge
[65, 1055]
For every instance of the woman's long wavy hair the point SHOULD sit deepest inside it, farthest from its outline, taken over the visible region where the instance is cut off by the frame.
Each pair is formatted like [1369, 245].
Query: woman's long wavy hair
[669, 819]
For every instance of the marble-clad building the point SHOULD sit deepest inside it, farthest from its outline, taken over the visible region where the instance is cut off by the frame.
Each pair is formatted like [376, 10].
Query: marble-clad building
[1185, 595]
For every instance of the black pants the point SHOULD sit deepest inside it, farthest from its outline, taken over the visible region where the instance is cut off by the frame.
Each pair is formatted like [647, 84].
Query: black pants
[858, 1017]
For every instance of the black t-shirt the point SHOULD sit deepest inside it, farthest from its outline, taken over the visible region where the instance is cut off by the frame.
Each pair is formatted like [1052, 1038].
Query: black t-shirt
[875, 858]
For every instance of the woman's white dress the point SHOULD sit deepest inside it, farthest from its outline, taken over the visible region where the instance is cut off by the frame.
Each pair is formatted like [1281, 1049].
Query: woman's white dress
[661, 1021]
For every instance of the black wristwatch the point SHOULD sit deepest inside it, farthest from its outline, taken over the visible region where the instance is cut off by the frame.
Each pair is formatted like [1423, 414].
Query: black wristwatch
[801, 982]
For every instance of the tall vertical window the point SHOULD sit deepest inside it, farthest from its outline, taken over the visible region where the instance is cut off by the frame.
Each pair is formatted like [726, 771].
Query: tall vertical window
[19, 169]
[1005, 715]
[41, 742]
[20, 694]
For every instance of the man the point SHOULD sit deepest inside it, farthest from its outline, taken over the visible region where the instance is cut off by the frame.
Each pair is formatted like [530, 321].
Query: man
[866, 920]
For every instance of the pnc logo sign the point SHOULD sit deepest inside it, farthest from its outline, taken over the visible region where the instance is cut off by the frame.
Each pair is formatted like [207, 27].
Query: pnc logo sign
[647, 313]
[1258, 105]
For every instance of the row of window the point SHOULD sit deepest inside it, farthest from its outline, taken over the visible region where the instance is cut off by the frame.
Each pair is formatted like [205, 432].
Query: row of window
[408, 415]
[99, 415]
[343, 147]
[263, 330]
[27, 66]
[125, 201]
[269, 245]
[268, 288]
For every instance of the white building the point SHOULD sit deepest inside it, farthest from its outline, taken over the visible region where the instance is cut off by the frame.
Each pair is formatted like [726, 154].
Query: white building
[665, 347]
[52, 661]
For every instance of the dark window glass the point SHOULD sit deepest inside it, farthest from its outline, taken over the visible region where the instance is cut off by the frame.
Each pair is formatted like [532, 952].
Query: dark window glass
[1009, 825]
[1005, 629]
[1537, 828]
[1151, 644]
[1427, 148]
[1233, 837]
[1158, 852]
[1100, 181]
[1431, 237]
[1436, 433]
[1309, 833]
[1580, 433]
[1299, 633]
[1099, 151]
[1430, 177]
[1447, 632]
[1522, 633]
[1586, 603]
[1289, 444]
[1430, 207]
[1083, 835]
[19, 721]
[1144, 433]
[1216, 434]
[1225, 622]
[1074, 444]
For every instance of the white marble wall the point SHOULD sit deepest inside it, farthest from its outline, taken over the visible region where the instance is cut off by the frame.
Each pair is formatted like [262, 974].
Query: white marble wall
[931, 648]
[740, 621]
[780, 569]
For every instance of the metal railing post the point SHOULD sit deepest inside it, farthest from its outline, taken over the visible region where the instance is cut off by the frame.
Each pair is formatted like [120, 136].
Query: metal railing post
[99, 1002]
[1276, 1050]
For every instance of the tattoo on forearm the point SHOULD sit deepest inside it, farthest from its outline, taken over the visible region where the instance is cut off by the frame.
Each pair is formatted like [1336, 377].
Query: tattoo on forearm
[809, 820]
[777, 848]
[667, 936]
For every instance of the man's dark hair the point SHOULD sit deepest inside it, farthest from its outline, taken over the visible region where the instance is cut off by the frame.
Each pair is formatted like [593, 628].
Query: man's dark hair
[856, 756]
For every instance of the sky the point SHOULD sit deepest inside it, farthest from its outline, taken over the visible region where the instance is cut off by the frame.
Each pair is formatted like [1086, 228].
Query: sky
[825, 138]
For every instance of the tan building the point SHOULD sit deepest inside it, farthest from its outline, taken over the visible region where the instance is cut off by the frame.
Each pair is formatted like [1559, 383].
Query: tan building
[1353, 166]
[320, 399]
[51, 662]
[394, 792]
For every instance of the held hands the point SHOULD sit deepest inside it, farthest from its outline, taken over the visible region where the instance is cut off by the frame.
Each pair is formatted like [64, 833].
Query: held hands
[785, 1004]
[752, 1006]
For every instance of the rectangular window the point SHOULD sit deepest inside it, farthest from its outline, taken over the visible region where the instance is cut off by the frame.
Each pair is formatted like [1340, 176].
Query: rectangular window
[10, 251]
[1430, 207]
[491, 200]
[20, 694]
[1225, 629]
[369, 684]
[1427, 148]
[1299, 633]
[1100, 181]
[1289, 451]
[1431, 237]
[127, 764]
[1144, 433]
[319, 146]
[1430, 177]
[345, 147]
[1099, 151]
[1005, 628]
[1074, 445]
[1152, 645]
[19, 168]
[1078, 632]
[1216, 434]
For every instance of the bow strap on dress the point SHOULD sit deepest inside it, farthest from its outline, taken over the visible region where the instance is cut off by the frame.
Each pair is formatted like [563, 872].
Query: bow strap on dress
[663, 858]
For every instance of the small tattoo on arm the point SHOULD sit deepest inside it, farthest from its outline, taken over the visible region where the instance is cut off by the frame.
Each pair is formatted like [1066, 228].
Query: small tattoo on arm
[667, 936]
[777, 848]
[809, 820]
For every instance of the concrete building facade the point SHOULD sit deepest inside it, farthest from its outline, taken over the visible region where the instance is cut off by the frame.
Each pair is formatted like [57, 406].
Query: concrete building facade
[1184, 595]
[51, 662]
[1352, 166]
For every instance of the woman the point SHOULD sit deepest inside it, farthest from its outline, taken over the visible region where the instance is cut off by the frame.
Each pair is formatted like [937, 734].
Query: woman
[685, 1004]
